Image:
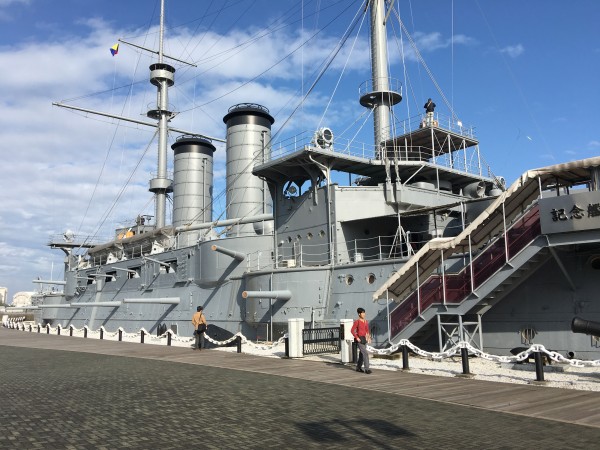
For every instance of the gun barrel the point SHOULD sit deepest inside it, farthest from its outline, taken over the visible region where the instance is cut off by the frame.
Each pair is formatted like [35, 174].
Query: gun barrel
[590, 327]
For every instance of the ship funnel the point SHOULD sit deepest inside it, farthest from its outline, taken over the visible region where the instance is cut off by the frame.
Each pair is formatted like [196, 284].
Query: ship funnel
[193, 183]
[474, 190]
[248, 144]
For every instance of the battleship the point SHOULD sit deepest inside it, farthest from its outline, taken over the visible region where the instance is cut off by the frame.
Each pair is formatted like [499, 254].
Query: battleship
[424, 236]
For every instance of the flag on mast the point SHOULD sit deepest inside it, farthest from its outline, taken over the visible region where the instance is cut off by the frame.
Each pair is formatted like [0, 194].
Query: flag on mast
[114, 49]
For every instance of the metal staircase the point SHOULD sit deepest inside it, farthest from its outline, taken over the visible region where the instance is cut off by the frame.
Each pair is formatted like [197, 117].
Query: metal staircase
[493, 273]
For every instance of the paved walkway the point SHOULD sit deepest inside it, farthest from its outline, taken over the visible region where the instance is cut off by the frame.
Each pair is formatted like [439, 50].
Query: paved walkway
[73, 393]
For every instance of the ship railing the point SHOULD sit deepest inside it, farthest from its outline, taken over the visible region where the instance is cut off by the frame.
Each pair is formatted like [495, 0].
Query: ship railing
[306, 139]
[467, 160]
[421, 120]
[462, 160]
[453, 288]
[377, 248]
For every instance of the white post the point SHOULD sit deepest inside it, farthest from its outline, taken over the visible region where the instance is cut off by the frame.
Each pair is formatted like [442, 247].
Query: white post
[346, 350]
[295, 327]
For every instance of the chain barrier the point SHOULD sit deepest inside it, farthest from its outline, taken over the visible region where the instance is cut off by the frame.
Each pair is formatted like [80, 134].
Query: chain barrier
[436, 356]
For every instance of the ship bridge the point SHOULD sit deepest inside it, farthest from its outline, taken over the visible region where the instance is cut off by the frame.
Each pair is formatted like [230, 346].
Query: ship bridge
[427, 153]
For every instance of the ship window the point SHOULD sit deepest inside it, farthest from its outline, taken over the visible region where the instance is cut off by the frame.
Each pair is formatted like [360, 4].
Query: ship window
[349, 279]
[290, 239]
[299, 237]
[321, 233]
[110, 276]
[371, 278]
[309, 236]
[131, 275]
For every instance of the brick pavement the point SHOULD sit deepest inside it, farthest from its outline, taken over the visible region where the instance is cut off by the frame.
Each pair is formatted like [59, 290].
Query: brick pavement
[56, 399]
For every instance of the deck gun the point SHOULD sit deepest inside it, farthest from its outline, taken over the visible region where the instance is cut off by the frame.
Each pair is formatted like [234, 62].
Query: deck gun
[585, 326]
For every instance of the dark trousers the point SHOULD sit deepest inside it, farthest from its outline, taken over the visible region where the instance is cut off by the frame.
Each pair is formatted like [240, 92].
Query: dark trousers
[363, 357]
[199, 341]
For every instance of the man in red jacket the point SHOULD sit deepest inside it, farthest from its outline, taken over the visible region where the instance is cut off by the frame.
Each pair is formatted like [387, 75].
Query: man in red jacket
[360, 331]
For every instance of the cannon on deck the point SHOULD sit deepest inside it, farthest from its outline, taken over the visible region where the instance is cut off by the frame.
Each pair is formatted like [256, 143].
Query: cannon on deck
[590, 327]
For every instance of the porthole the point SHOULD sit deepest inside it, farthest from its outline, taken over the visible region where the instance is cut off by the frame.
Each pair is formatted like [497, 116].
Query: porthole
[349, 279]
[289, 239]
[321, 233]
[298, 238]
[309, 236]
[371, 278]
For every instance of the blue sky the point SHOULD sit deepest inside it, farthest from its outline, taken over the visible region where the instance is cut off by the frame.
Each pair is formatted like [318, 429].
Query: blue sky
[524, 74]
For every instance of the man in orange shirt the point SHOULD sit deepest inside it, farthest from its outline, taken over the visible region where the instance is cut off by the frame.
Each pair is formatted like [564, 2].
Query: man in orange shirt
[200, 325]
[360, 331]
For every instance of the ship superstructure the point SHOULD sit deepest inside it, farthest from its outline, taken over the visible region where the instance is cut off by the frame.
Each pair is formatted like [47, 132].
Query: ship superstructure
[420, 205]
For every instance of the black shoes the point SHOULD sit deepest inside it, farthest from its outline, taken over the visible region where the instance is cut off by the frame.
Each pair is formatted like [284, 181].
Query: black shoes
[358, 369]
[367, 371]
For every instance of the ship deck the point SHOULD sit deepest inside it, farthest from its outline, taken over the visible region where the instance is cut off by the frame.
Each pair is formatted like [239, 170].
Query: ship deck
[63, 390]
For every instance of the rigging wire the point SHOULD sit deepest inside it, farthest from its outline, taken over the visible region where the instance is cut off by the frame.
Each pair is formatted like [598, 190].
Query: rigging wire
[426, 67]
[342, 71]
[107, 213]
[245, 83]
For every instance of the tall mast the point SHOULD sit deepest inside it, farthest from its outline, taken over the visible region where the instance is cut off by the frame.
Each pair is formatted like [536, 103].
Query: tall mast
[377, 94]
[162, 76]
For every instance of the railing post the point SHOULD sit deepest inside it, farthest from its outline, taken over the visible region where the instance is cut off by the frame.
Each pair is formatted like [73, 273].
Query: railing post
[120, 335]
[505, 233]
[286, 341]
[141, 336]
[238, 342]
[85, 331]
[539, 366]
[168, 339]
[380, 257]
[47, 328]
[354, 351]
[405, 365]
[443, 277]
[464, 354]
[101, 333]
[39, 328]
[58, 330]
[70, 330]
[418, 291]
[471, 265]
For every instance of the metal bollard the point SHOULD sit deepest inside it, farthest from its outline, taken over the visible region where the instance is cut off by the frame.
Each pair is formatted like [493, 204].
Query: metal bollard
[101, 333]
[120, 335]
[70, 330]
[539, 366]
[58, 330]
[464, 354]
[142, 337]
[85, 332]
[354, 352]
[287, 347]
[238, 340]
[405, 358]
[47, 328]
[39, 328]
[168, 338]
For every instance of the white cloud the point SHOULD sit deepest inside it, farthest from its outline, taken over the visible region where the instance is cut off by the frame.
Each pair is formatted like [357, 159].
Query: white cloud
[594, 144]
[513, 50]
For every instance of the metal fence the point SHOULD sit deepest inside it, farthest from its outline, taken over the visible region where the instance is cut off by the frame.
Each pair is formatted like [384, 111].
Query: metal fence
[321, 340]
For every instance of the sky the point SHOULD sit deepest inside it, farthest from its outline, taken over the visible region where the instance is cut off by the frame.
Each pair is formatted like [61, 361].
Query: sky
[524, 74]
